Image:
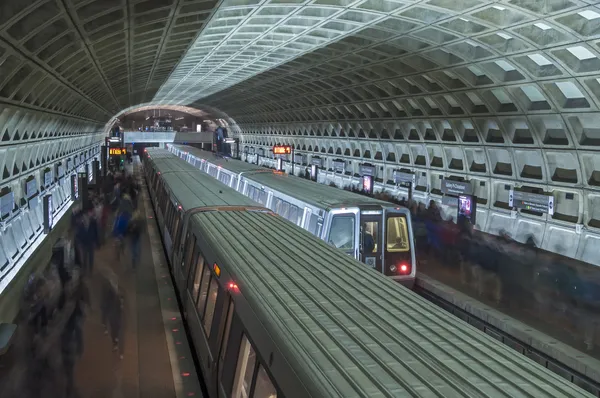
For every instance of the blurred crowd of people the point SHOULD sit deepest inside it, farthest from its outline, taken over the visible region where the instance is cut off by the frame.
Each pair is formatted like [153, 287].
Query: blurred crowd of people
[511, 274]
[57, 301]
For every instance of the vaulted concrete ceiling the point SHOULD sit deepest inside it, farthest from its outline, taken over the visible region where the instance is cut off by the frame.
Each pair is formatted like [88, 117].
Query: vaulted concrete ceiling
[503, 90]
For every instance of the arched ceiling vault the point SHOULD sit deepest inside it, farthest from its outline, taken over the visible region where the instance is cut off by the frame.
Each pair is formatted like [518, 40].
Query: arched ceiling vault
[502, 90]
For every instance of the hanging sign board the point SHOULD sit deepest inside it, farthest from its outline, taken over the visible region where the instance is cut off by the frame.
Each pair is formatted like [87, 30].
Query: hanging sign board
[531, 201]
[299, 158]
[47, 178]
[339, 166]
[316, 161]
[117, 151]
[367, 170]
[69, 164]
[7, 204]
[48, 214]
[282, 150]
[81, 158]
[60, 170]
[261, 151]
[456, 188]
[30, 188]
[402, 178]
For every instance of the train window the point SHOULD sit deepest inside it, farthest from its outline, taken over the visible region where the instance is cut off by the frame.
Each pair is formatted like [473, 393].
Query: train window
[397, 239]
[312, 224]
[244, 370]
[285, 210]
[263, 196]
[293, 217]
[203, 291]
[225, 339]
[177, 222]
[341, 233]
[263, 388]
[189, 249]
[197, 277]
[210, 305]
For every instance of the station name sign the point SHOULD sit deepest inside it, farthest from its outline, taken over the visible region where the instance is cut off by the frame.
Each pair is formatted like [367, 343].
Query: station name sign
[456, 188]
[282, 149]
[402, 178]
[531, 201]
[117, 151]
[367, 170]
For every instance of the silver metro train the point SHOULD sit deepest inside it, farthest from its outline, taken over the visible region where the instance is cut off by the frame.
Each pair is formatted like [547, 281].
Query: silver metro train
[275, 312]
[372, 231]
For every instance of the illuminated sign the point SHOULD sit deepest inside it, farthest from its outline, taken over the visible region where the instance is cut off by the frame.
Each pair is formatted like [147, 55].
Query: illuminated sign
[117, 151]
[282, 149]
[48, 214]
[217, 270]
[74, 187]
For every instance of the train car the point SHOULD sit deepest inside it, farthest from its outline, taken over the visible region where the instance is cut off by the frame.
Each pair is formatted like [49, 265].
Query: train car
[177, 188]
[275, 312]
[370, 230]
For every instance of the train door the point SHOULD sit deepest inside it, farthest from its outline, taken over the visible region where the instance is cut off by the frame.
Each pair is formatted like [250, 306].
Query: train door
[342, 230]
[371, 239]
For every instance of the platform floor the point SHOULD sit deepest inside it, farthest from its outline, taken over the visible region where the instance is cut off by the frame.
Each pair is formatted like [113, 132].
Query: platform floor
[146, 367]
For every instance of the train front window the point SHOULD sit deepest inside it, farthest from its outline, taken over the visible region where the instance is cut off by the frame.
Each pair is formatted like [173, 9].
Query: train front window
[397, 239]
[245, 369]
[264, 388]
[341, 233]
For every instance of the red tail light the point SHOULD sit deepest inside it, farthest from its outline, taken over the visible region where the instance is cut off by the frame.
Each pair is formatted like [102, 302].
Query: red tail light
[404, 269]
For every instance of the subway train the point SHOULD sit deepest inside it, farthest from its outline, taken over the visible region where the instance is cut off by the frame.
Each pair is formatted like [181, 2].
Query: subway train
[275, 312]
[373, 231]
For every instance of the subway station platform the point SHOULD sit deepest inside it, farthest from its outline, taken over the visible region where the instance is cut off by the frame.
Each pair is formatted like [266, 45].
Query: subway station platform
[156, 358]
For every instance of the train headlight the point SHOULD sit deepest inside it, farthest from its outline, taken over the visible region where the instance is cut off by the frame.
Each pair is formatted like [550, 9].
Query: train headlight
[393, 268]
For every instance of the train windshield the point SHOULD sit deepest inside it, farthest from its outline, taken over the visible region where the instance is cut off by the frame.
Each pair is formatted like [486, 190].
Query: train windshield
[397, 239]
[342, 232]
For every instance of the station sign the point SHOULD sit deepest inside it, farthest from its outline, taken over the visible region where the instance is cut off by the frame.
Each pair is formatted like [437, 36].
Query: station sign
[261, 151]
[30, 188]
[367, 170]
[339, 166]
[117, 151]
[7, 204]
[456, 188]
[402, 178]
[316, 162]
[531, 201]
[299, 158]
[282, 149]
[47, 178]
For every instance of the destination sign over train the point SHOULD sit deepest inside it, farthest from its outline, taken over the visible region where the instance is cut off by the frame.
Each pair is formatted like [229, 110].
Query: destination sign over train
[282, 149]
[117, 151]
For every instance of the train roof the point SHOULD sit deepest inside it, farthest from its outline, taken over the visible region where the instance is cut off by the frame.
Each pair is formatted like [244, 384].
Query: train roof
[192, 188]
[318, 195]
[349, 331]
